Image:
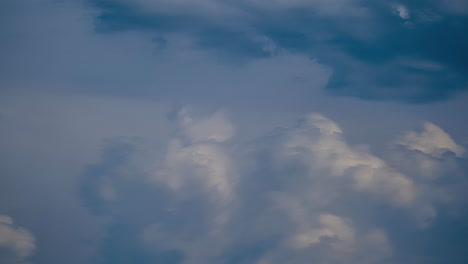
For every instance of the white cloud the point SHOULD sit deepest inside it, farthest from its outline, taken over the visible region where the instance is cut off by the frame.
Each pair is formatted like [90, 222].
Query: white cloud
[4, 219]
[334, 238]
[199, 156]
[195, 167]
[206, 162]
[19, 240]
[402, 11]
[327, 150]
[432, 140]
[302, 197]
[318, 144]
[440, 179]
[331, 226]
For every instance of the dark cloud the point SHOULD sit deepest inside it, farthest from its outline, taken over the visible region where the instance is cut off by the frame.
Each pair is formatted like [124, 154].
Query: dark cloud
[382, 50]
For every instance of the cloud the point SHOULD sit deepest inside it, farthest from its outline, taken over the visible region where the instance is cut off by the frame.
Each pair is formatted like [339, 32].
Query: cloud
[327, 150]
[332, 226]
[204, 161]
[431, 140]
[141, 48]
[199, 154]
[339, 238]
[402, 11]
[360, 40]
[429, 157]
[194, 173]
[301, 193]
[171, 65]
[214, 128]
[19, 241]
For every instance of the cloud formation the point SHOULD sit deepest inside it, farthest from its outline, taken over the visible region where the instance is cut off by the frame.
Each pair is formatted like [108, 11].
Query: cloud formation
[143, 131]
[432, 140]
[301, 193]
[328, 151]
[382, 50]
[371, 46]
[200, 154]
[19, 242]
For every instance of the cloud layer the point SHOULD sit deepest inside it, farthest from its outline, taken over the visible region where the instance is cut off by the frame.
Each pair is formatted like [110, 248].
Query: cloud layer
[380, 50]
[232, 132]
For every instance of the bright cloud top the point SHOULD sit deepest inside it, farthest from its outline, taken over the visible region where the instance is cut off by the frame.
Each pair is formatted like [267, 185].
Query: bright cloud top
[329, 151]
[432, 140]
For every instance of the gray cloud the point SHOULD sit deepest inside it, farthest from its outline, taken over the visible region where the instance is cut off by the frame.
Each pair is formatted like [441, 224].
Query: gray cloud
[378, 50]
[367, 48]
[100, 161]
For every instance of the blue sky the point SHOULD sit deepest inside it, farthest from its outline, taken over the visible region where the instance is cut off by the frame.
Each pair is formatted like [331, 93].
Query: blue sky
[233, 132]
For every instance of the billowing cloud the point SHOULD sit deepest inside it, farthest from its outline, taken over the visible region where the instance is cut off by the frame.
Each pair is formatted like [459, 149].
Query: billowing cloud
[19, 242]
[332, 226]
[431, 140]
[299, 194]
[143, 131]
[327, 150]
[339, 238]
[198, 154]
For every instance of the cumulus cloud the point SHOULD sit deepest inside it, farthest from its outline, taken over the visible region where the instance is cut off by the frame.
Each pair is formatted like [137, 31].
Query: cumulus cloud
[331, 226]
[300, 194]
[431, 140]
[214, 187]
[328, 238]
[19, 242]
[198, 154]
[329, 151]
[433, 160]
[206, 161]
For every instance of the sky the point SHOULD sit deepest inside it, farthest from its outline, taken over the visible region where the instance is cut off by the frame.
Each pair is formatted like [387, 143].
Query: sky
[233, 132]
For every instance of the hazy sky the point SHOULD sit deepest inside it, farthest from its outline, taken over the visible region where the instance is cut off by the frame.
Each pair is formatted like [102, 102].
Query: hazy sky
[233, 131]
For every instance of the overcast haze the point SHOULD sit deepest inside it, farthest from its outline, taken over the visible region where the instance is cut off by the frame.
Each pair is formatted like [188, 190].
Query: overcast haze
[233, 132]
